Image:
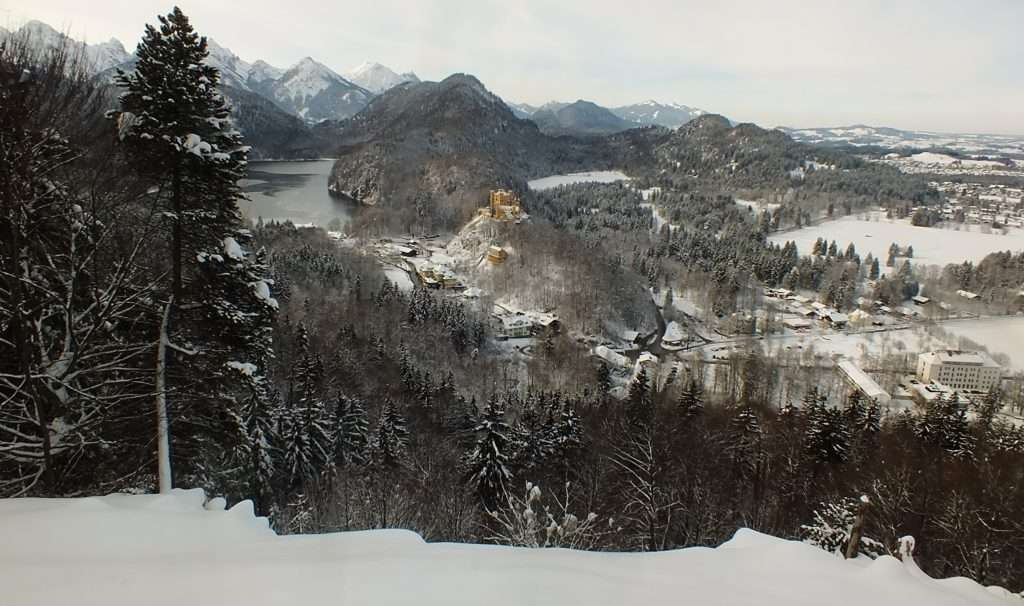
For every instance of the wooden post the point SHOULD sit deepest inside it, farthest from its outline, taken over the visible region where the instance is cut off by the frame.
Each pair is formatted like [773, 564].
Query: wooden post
[858, 528]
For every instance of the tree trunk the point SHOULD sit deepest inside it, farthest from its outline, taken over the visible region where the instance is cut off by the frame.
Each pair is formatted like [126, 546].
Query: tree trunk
[163, 445]
[858, 528]
[176, 235]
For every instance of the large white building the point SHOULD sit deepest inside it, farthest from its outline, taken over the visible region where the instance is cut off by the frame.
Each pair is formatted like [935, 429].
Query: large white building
[963, 370]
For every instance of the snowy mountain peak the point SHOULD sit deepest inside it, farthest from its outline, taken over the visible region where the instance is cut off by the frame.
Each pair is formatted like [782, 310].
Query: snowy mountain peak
[378, 78]
[233, 71]
[100, 56]
[261, 71]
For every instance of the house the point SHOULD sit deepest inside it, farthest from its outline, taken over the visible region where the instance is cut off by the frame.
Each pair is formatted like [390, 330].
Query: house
[836, 319]
[796, 323]
[544, 322]
[968, 294]
[406, 251]
[496, 255]
[614, 359]
[919, 300]
[516, 326]
[645, 360]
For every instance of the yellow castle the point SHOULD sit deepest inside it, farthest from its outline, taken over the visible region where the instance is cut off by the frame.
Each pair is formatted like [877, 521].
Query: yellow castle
[503, 204]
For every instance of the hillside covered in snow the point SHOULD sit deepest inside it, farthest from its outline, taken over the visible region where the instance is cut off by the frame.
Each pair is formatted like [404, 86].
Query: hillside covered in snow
[175, 549]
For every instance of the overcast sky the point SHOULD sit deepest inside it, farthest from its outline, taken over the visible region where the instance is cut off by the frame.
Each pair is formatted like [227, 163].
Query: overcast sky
[945, 65]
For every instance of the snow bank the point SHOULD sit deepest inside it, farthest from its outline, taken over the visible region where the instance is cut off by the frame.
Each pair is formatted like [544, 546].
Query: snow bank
[173, 550]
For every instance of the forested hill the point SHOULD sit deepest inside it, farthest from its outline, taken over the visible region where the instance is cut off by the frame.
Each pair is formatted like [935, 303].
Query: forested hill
[748, 156]
[442, 145]
[445, 144]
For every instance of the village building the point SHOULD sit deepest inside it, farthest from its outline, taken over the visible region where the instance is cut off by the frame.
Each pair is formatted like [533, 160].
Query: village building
[496, 255]
[675, 335]
[614, 359]
[515, 327]
[919, 300]
[862, 382]
[797, 323]
[835, 319]
[968, 294]
[960, 370]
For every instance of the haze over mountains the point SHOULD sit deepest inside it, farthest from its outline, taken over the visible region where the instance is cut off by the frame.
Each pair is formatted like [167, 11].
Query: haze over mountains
[313, 92]
[289, 112]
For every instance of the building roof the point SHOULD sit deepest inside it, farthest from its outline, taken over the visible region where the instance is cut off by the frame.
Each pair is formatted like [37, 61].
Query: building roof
[956, 356]
[613, 358]
[515, 322]
[674, 332]
[868, 386]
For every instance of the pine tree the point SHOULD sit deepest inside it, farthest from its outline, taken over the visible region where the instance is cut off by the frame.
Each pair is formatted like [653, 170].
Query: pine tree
[351, 433]
[488, 464]
[745, 436]
[604, 380]
[388, 451]
[176, 126]
[691, 400]
[828, 437]
[638, 401]
[831, 530]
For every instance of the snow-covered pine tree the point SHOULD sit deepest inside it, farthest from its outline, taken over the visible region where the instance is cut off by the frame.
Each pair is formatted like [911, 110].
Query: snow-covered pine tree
[745, 445]
[390, 440]
[488, 463]
[177, 128]
[832, 526]
[828, 437]
[351, 433]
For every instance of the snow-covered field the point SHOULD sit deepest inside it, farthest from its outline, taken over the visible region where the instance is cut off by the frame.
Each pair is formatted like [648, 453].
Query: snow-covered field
[170, 550]
[1000, 335]
[595, 176]
[399, 278]
[932, 245]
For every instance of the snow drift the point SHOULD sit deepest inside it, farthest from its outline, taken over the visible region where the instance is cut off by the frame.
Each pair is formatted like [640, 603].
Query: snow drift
[179, 549]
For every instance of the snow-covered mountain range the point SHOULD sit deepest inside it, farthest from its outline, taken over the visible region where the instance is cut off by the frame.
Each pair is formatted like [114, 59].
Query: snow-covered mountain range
[861, 135]
[309, 89]
[100, 56]
[647, 113]
[671, 115]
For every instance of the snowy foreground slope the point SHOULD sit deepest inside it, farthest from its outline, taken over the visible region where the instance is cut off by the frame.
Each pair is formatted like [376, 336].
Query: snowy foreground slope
[171, 550]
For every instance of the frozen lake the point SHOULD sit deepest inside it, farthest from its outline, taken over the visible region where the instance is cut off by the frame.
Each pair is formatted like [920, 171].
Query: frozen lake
[293, 191]
[932, 246]
[595, 176]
